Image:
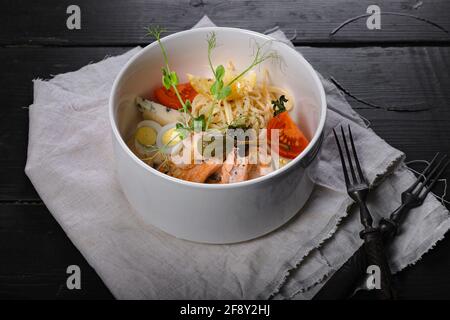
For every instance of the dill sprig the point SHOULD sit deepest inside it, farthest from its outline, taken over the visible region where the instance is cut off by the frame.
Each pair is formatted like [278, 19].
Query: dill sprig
[278, 105]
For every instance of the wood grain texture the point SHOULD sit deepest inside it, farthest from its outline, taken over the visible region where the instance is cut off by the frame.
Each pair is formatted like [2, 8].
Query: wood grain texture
[24, 65]
[35, 253]
[116, 22]
[38, 252]
[399, 77]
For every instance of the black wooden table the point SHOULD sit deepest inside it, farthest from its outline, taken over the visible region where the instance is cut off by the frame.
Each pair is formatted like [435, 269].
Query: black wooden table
[405, 64]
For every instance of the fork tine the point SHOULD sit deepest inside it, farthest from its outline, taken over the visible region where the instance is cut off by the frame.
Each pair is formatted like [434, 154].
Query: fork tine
[436, 178]
[347, 182]
[424, 173]
[349, 158]
[358, 166]
[419, 189]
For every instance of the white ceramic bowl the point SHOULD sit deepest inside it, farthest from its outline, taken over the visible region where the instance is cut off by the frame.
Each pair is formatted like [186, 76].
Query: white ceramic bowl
[208, 212]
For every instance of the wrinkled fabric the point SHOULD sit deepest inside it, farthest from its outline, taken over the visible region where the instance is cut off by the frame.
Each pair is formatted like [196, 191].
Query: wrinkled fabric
[71, 165]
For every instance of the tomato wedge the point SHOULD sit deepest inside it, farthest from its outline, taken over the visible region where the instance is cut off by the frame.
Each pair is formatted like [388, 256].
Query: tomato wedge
[292, 140]
[169, 98]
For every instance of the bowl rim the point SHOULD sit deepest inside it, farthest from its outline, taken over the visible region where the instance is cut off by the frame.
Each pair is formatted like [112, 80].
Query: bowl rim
[291, 164]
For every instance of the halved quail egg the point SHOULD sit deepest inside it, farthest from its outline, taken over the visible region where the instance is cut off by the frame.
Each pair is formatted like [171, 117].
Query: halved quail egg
[169, 140]
[146, 137]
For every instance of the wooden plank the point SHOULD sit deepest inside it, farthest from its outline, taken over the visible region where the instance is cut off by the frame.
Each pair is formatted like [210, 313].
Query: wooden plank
[408, 78]
[38, 253]
[426, 280]
[35, 255]
[413, 77]
[120, 23]
[24, 65]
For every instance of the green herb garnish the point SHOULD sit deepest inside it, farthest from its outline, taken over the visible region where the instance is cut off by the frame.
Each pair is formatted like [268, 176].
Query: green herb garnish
[219, 90]
[259, 57]
[169, 78]
[278, 105]
[199, 123]
[239, 123]
[183, 130]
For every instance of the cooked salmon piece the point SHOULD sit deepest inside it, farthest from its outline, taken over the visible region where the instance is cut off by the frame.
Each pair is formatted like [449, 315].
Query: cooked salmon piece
[259, 170]
[195, 173]
[234, 169]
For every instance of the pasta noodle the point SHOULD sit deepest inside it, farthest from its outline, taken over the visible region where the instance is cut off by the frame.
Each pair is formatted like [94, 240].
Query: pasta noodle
[254, 107]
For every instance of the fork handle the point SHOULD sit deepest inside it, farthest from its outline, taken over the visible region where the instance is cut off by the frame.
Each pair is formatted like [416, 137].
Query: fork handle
[374, 249]
[344, 281]
[389, 226]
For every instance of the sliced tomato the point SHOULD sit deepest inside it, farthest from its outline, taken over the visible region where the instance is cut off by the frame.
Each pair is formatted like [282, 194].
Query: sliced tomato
[169, 98]
[292, 139]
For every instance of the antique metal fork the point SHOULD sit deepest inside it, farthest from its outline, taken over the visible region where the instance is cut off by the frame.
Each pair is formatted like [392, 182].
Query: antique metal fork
[343, 282]
[415, 195]
[358, 189]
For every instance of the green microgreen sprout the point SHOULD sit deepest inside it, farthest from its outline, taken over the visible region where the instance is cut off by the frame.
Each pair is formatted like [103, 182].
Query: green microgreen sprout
[259, 56]
[169, 77]
[219, 90]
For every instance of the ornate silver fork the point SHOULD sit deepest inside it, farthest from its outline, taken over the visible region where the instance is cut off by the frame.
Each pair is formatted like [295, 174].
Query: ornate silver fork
[415, 195]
